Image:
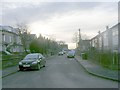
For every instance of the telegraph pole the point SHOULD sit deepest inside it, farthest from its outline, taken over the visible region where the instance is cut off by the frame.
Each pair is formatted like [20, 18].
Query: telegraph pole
[79, 40]
[119, 44]
[79, 37]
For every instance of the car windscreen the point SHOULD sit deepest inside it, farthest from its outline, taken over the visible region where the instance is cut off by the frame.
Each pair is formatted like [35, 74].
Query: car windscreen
[31, 56]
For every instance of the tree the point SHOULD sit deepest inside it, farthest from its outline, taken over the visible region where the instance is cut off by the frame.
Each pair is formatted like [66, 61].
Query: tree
[84, 37]
[44, 45]
[24, 35]
[34, 46]
[61, 42]
[75, 38]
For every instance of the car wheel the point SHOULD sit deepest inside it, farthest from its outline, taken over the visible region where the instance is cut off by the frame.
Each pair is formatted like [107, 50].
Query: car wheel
[43, 65]
[38, 66]
[21, 69]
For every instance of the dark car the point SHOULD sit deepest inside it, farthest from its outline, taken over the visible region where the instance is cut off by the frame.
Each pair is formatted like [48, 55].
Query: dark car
[32, 61]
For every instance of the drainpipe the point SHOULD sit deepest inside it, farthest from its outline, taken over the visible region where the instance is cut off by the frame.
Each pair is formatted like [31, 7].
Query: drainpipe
[119, 33]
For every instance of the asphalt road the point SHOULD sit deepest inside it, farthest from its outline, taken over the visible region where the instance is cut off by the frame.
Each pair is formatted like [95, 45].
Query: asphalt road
[60, 72]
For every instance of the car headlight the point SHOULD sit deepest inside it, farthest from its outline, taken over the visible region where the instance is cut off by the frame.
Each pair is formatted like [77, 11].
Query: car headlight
[35, 62]
[20, 63]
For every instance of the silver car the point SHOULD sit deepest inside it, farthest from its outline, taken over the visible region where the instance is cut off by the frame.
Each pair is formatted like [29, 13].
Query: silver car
[60, 53]
[71, 54]
[32, 61]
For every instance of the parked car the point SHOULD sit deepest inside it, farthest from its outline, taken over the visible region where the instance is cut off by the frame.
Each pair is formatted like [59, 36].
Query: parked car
[60, 53]
[71, 54]
[64, 52]
[32, 61]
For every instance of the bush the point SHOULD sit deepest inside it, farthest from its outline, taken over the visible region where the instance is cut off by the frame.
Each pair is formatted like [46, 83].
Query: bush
[84, 56]
[105, 58]
[94, 55]
[11, 60]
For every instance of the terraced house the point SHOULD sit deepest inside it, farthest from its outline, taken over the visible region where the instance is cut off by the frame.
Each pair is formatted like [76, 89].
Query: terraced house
[11, 41]
[106, 43]
[107, 40]
[103, 48]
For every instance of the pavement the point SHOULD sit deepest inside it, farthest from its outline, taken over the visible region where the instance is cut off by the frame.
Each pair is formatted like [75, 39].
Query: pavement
[98, 70]
[9, 71]
[87, 65]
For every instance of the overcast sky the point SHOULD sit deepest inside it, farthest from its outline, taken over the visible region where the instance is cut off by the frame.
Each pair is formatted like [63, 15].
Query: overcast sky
[61, 20]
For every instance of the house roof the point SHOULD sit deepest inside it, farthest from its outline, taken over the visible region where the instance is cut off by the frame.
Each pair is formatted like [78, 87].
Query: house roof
[106, 30]
[9, 29]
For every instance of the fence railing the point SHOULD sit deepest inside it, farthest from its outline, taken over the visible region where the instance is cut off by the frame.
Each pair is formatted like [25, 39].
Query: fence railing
[105, 58]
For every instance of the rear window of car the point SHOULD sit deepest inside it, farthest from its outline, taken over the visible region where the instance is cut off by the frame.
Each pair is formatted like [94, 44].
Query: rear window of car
[70, 52]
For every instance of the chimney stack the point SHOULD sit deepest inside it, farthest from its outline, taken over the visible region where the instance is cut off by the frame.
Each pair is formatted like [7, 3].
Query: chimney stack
[107, 27]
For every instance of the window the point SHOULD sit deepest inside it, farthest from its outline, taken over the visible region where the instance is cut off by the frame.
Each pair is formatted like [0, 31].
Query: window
[105, 35]
[93, 45]
[18, 40]
[10, 38]
[115, 32]
[3, 37]
[100, 41]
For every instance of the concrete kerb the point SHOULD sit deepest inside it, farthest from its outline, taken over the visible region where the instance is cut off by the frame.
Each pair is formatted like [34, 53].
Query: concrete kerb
[95, 74]
[10, 73]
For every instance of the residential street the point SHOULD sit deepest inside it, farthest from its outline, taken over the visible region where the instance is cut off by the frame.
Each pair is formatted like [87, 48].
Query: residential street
[60, 72]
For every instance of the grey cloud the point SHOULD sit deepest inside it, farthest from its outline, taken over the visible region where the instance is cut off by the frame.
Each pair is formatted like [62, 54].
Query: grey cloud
[33, 12]
[28, 12]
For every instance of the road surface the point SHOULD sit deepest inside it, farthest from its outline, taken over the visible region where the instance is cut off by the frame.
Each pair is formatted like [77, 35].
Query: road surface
[60, 72]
